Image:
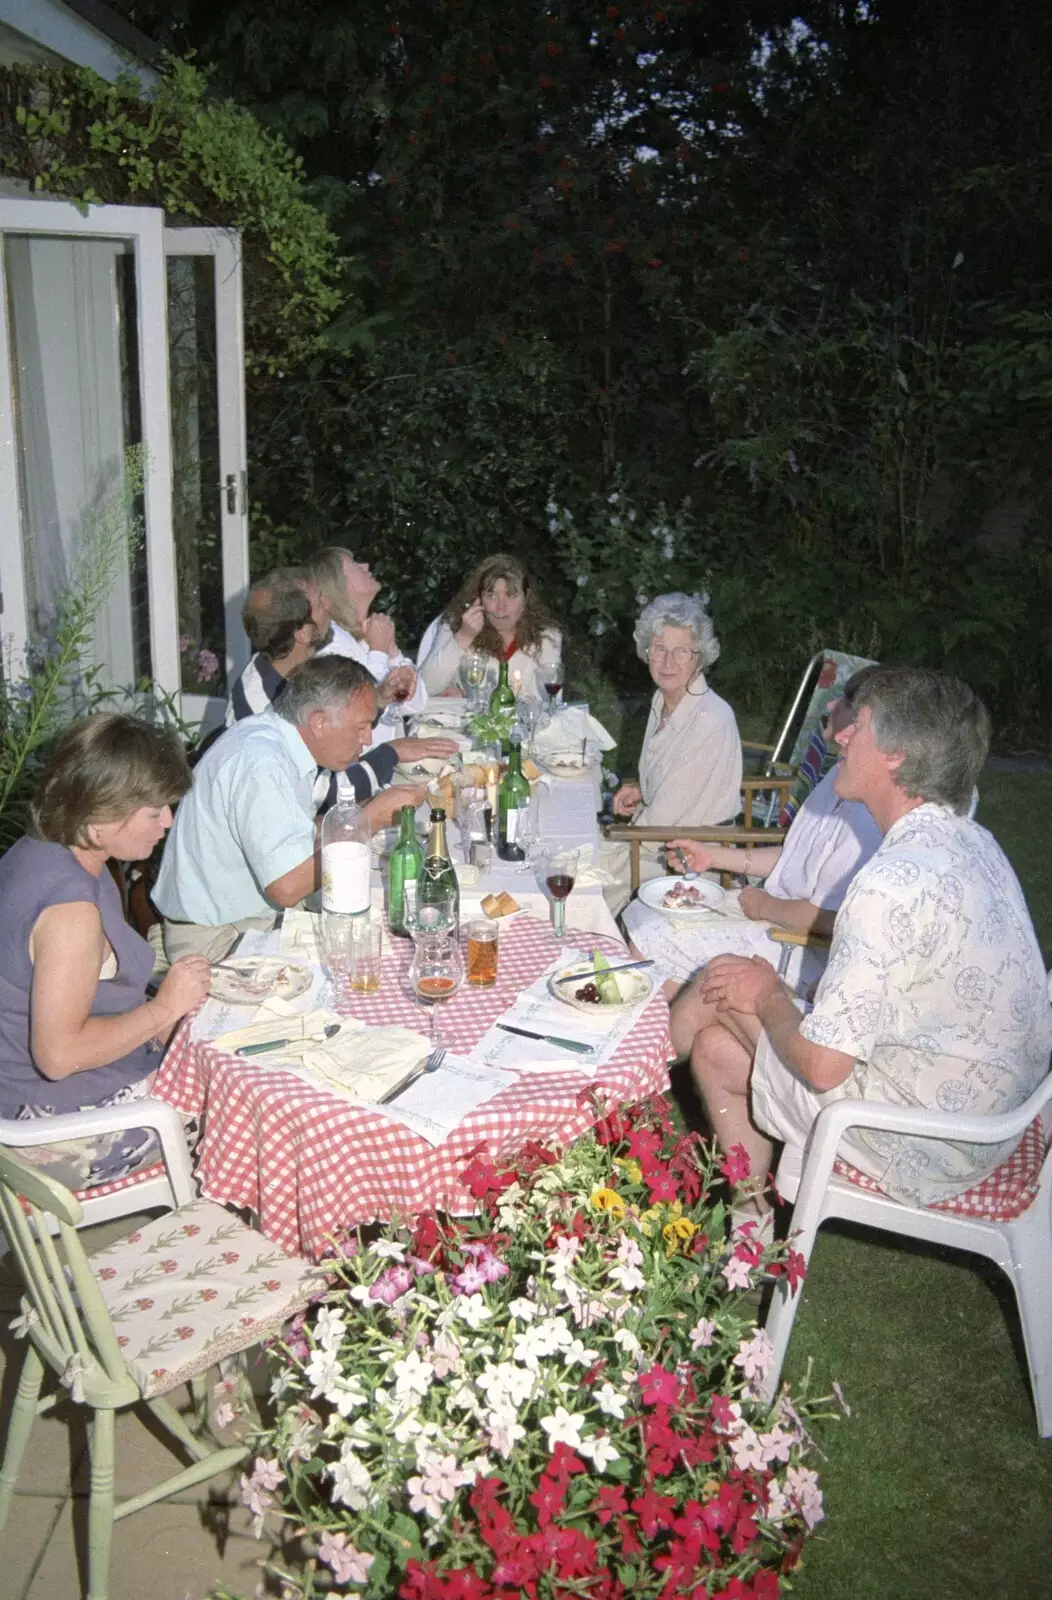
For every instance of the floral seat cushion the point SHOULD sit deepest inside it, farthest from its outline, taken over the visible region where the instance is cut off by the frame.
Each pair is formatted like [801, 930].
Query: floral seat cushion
[1007, 1192]
[193, 1286]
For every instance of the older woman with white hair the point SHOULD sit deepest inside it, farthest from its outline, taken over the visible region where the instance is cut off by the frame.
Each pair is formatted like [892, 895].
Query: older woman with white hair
[690, 770]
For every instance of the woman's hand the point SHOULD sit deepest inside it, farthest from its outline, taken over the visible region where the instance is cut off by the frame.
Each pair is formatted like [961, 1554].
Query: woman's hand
[692, 854]
[379, 633]
[756, 903]
[184, 986]
[627, 799]
[471, 624]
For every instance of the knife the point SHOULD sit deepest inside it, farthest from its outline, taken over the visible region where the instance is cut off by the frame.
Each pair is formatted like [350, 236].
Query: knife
[550, 1038]
[283, 1044]
[582, 977]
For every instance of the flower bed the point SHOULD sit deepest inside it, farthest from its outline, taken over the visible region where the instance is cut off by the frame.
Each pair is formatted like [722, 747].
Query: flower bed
[554, 1397]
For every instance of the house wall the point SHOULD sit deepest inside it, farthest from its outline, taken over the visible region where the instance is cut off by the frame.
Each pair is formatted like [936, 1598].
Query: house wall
[87, 34]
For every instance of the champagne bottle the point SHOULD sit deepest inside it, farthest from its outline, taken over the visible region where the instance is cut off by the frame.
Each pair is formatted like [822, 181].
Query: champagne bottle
[512, 800]
[404, 871]
[438, 882]
[502, 698]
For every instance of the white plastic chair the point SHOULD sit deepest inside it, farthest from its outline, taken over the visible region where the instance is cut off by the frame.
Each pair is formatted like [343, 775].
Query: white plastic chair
[1021, 1246]
[168, 1182]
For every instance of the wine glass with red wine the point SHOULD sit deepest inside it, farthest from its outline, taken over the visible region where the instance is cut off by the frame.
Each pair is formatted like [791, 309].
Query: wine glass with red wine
[552, 678]
[559, 867]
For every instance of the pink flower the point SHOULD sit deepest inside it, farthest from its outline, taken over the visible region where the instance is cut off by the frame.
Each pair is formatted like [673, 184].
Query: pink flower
[169, 1266]
[144, 1304]
[392, 1285]
[106, 1273]
[348, 1564]
[702, 1333]
[208, 1294]
[185, 1332]
[470, 1279]
[737, 1274]
[754, 1355]
[801, 1485]
[735, 1165]
[229, 1256]
[659, 1386]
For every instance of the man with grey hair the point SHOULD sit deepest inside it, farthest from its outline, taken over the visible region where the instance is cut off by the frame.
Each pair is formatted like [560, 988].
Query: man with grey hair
[934, 994]
[242, 845]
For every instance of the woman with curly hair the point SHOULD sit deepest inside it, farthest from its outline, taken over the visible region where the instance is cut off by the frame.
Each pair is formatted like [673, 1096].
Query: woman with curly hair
[498, 613]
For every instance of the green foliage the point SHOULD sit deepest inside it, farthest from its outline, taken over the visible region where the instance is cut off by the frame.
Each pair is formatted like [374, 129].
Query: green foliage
[204, 160]
[36, 702]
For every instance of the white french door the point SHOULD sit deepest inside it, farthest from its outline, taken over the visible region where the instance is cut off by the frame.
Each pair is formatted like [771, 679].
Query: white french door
[114, 332]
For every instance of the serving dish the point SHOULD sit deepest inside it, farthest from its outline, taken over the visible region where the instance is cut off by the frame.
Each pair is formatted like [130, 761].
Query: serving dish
[634, 987]
[257, 978]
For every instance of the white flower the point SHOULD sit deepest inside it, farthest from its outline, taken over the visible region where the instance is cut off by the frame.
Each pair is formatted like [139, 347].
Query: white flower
[351, 1482]
[445, 1355]
[346, 1393]
[412, 1377]
[598, 628]
[472, 1309]
[629, 1278]
[563, 1427]
[479, 1467]
[462, 1398]
[778, 1507]
[388, 1249]
[629, 1253]
[776, 1445]
[611, 1401]
[523, 1310]
[506, 1382]
[612, 499]
[582, 580]
[437, 1484]
[576, 1355]
[599, 1450]
[628, 1341]
[503, 1432]
[801, 1485]
[283, 1381]
[323, 1370]
[408, 1427]
[329, 1328]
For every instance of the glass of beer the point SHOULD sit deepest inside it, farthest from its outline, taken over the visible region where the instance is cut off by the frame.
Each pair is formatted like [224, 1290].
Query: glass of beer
[366, 948]
[482, 952]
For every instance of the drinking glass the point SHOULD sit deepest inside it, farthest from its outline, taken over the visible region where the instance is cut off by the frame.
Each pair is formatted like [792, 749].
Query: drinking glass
[475, 675]
[482, 952]
[339, 932]
[366, 949]
[552, 677]
[530, 712]
[527, 835]
[438, 916]
[435, 974]
[559, 867]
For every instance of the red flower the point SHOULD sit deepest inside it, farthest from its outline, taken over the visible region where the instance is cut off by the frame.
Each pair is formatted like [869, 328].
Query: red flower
[630, 1545]
[658, 1386]
[795, 1270]
[191, 1230]
[655, 261]
[546, 82]
[612, 13]
[654, 1511]
[502, 338]
[485, 59]
[564, 1464]
[614, 246]
[553, 49]
[208, 1294]
[735, 1165]
[173, 1266]
[447, 78]
[230, 1256]
[185, 1332]
[122, 1339]
[607, 1503]
[144, 1304]
[722, 1414]
[106, 1273]
[719, 88]
[662, 1187]
[479, 1177]
[272, 1285]
[549, 1498]
[645, 1145]
[619, 33]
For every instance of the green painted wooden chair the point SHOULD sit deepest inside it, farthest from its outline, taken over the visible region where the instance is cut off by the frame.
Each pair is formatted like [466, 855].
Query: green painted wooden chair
[131, 1323]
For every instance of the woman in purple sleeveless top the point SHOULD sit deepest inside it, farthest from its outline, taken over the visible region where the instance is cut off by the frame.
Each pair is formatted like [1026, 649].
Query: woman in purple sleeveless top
[76, 1028]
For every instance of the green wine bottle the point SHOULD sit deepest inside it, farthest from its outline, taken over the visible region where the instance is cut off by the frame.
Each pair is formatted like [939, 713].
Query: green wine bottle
[404, 871]
[502, 698]
[513, 798]
[439, 892]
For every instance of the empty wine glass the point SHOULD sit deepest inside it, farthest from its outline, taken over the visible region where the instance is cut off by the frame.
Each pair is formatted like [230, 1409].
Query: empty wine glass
[559, 867]
[529, 713]
[435, 974]
[475, 674]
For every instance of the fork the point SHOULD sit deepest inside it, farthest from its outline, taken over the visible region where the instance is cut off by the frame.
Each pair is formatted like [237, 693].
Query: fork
[435, 1059]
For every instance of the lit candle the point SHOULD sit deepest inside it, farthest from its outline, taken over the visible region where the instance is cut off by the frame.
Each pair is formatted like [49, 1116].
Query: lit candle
[516, 682]
[492, 780]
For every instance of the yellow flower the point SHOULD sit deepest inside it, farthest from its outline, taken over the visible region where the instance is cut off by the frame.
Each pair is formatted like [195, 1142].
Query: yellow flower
[631, 1169]
[678, 1231]
[608, 1200]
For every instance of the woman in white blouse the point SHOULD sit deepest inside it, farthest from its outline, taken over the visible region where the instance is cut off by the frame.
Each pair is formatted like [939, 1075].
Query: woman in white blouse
[690, 770]
[496, 614]
[346, 589]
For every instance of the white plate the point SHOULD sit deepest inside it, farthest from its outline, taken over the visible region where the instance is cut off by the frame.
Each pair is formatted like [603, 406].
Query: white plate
[452, 716]
[565, 763]
[653, 895]
[635, 987]
[258, 978]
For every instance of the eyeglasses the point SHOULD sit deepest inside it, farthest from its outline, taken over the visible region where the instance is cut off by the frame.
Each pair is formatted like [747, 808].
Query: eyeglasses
[682, 655]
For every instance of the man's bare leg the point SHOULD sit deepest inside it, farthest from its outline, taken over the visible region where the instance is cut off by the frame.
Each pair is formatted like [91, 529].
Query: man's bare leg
[688, 1016]
[721, 1062]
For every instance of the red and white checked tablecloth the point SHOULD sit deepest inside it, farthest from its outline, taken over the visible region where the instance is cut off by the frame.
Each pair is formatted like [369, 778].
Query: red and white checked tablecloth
[310, 1163]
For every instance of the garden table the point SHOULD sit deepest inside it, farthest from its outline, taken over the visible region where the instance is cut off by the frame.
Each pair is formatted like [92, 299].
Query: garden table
[311, 1163]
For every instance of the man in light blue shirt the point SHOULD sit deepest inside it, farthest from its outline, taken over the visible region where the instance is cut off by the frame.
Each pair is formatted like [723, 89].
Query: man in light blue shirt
[242, 844]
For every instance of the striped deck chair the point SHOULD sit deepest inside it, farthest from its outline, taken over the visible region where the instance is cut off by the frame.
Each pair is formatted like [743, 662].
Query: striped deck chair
[801, 750]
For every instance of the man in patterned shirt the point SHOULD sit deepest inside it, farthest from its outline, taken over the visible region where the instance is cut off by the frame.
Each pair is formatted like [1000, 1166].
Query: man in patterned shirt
[934, 994]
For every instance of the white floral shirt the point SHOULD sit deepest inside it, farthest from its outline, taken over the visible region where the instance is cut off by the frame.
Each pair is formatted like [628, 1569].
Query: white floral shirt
[935, 984]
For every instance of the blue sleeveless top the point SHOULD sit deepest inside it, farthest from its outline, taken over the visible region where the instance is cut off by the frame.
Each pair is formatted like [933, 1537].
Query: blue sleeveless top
[33, 876]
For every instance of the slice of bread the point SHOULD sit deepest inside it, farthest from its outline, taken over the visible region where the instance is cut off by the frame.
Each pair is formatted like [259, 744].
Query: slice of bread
[500, 905]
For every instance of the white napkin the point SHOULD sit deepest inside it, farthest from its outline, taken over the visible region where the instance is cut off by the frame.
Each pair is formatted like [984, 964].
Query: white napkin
[590, 874]
[567, 730]
[439, 1101]
[362, 1063]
